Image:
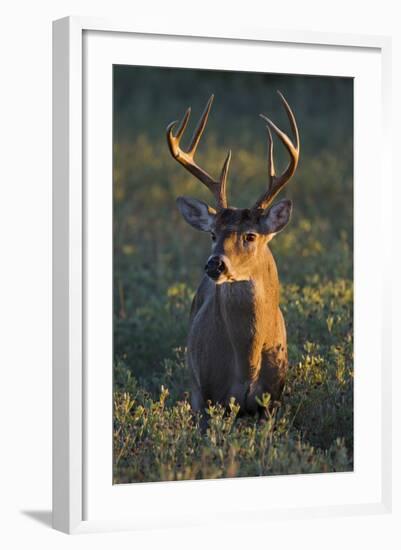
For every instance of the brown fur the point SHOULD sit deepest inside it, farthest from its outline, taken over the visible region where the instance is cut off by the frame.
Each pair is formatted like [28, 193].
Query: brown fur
[237, 340]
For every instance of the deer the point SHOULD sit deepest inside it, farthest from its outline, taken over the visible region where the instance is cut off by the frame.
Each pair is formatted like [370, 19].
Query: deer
[237, 343]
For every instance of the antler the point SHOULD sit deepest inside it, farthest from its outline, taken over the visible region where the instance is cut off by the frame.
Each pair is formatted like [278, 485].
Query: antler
[276, 183]
[186, 158]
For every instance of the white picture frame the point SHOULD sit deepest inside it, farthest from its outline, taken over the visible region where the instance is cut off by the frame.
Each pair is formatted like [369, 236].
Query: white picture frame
[77, 480]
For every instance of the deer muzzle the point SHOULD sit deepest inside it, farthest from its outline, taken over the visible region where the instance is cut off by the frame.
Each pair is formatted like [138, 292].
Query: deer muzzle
[216, 266]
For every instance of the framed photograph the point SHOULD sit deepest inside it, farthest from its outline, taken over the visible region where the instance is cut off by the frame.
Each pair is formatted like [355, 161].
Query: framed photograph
[220, 328]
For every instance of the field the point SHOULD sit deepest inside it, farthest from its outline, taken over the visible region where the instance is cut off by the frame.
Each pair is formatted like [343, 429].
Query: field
[158, 263]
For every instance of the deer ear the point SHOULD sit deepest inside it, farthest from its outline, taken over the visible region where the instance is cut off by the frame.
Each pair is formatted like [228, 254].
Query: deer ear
[197, 213]
[276, 218]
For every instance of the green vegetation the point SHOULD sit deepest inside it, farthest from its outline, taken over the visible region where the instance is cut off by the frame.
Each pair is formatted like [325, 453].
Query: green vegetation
[158, 265]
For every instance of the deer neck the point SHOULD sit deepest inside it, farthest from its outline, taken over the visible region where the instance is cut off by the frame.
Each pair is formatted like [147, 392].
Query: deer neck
[248, 311]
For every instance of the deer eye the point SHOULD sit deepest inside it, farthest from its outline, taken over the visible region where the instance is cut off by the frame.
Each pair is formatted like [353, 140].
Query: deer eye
[250, 237]
[213, 235]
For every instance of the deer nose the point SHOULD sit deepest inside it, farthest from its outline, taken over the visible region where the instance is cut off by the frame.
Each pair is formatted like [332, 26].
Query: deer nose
[215, 267]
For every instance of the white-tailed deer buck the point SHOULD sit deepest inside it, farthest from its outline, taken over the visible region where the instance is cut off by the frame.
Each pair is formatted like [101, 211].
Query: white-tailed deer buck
[237, 339]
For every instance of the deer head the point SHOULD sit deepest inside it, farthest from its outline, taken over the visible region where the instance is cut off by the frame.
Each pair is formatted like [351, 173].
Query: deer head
[239, 236]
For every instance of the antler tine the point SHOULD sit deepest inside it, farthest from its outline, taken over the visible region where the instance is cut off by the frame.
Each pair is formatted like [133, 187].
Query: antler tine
[186, 158]
[183, 124]
[223, 181]
[291, 118]
[276, 183]
[272, 171]
[201, 127]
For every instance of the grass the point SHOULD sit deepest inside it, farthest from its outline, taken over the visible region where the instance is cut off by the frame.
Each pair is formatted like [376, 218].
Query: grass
[158, 264]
